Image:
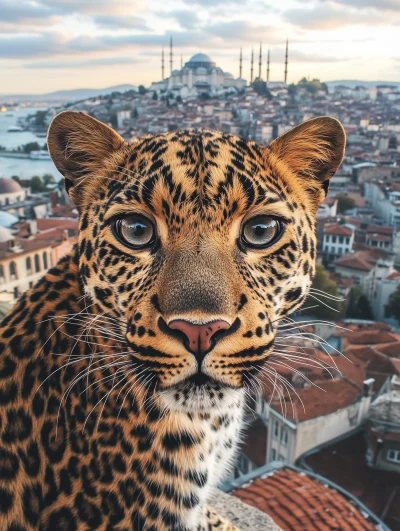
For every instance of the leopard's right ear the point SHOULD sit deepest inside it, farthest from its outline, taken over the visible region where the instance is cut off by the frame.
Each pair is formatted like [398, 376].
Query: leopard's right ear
[79, 145]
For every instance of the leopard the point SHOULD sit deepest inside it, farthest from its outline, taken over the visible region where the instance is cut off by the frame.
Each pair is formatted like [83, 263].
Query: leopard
[125, 371]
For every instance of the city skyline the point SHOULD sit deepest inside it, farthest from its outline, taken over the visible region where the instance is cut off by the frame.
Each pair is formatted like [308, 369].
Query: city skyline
[51, 45]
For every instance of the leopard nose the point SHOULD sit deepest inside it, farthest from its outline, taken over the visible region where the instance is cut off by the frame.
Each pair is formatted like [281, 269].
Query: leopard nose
[199, 338]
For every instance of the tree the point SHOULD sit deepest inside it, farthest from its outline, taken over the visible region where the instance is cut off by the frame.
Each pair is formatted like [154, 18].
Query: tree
[179, 99]
[155, 96]
[345, 203]
[392, 308]
[40, 118]
[135, 113]
[142, 90]
[16, 179]
[323, 283]
[36, 185]
[31, 146]
[359, 306]
[260, 87]
[48, 179]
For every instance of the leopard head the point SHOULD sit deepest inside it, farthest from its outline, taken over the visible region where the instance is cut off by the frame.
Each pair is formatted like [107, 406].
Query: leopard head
[196, 244]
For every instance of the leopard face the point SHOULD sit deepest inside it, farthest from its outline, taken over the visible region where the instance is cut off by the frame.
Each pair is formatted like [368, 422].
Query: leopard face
[195, 245]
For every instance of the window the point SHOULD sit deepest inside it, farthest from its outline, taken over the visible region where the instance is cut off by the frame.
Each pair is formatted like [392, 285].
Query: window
[276, 429]
[45, 260]
[393, 455]
[37, 263]
[16, 293]
[284, 435]
[28, 262]
[273, 454]
[13, 271]
[348, 240]
[281, 458]
[30, 285]
[340, 239]
[333, 239]
[1, 273]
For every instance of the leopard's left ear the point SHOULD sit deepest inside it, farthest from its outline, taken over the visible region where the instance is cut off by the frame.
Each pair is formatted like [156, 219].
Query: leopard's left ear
[313, 151]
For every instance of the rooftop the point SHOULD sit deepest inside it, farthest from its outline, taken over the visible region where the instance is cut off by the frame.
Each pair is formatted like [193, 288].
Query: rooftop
[336, 229]
[301, 501]
[343, 462]
[9, 186]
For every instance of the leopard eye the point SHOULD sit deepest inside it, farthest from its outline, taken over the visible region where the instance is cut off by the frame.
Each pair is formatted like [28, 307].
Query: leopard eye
[261, 231]
[135, 230]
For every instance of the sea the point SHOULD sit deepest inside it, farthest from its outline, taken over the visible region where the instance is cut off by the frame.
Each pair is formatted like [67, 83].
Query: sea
[24, 168]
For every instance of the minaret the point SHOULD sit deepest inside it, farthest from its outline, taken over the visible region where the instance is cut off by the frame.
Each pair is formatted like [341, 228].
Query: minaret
[170, 55]
[260, 61]
[240, 63]
[252, 66]
[162, 65]
[286, 59]
[181, 61]
[268, 67]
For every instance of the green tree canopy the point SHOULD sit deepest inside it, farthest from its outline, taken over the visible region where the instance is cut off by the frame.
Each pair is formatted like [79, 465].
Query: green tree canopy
[260, 87]
[40, 118]
[345, 203]
[31, 146]
[37, 185]
[323, 283]
[155, 96]
[142, 90]
[16, 179]
[359, 306]
[392, 308]
[48, 178]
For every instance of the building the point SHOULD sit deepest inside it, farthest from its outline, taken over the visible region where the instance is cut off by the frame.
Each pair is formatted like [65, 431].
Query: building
[200, 75]
[10, 192]
[300, 500]
[383, 428]
[337, 240]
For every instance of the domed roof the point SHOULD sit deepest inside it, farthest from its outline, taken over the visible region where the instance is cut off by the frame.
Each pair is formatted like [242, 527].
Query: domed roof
[7, 219]
[9, 186]
[5, 235]
[200, 58]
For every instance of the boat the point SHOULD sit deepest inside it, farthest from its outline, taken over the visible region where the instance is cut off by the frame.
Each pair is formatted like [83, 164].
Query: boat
[39, 155]
[15, 129]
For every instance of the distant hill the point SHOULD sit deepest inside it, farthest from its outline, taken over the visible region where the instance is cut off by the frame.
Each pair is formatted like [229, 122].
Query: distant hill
[352, 83]
[69, 95]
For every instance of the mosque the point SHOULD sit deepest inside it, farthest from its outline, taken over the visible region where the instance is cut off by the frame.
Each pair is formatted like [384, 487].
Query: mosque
[201, 76]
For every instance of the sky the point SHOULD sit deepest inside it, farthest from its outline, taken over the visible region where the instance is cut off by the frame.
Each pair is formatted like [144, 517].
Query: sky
[48, 45]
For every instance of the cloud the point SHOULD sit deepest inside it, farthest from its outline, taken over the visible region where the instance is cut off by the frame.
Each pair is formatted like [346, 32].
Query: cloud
[212, 3]
[27, 13]
[87, 63]
[297, 56]
[120, 22]
[330, 16]
[185, 18]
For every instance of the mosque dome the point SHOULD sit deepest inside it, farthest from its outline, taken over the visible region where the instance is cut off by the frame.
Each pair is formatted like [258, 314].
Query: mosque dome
[5, 235]
[7, 219]
[200, 60]
[9, 186]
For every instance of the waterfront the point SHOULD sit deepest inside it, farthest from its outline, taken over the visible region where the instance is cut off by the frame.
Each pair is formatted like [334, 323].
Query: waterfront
[24, 168]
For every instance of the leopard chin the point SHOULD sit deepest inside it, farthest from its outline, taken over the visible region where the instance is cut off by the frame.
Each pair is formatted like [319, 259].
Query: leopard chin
[201, 394]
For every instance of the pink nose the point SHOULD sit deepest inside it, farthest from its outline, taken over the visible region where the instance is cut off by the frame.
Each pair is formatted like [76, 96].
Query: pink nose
[199, 335]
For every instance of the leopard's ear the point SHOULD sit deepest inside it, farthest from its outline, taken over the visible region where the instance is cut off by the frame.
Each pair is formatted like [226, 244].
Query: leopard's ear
[79, 146]
[312, 151]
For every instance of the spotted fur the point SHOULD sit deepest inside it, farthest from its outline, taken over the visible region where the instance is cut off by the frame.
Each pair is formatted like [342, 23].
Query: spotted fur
[107, 421]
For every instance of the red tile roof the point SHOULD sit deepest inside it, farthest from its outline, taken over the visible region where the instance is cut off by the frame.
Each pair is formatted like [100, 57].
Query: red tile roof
[371, 337]
[344, 463]
[354, 261]
[298, 502]
[335, 228]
